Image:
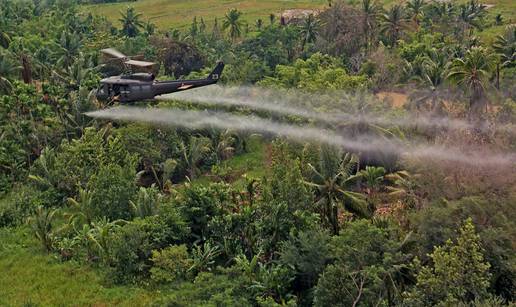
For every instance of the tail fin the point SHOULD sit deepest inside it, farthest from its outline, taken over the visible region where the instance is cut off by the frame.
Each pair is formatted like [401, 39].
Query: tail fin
[217, 72]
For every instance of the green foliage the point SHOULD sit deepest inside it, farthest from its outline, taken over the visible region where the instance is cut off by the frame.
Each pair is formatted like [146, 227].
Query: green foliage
[147, 202]
[167, 227]
[209, 289]
[285, 182]
[472, 73]
[435, 225]
[112, 187]
[42, 225]
[232, 24]
[365, 263]
[131, 23]
[72, 165]
[307, 254]
[332, 179]
[459, 272]
[316, 73]
[170, 264]
[130, 252]
[200, 204]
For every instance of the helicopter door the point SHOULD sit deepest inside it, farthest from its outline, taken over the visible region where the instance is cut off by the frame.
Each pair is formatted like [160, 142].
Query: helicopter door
[124, 91]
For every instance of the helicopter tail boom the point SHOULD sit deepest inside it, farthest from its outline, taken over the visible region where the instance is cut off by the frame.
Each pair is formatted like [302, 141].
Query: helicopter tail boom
[217, 72]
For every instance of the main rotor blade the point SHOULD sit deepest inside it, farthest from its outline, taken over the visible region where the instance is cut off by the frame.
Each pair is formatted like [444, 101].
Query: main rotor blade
[139, 63]
[114, 53]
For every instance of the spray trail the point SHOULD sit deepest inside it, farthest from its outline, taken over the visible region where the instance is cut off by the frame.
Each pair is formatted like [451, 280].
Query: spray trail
[287, 103]
[204, 119]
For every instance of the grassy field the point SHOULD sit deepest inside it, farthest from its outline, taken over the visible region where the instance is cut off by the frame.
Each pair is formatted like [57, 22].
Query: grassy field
[167, 14]
[32, 278]
[179, 13]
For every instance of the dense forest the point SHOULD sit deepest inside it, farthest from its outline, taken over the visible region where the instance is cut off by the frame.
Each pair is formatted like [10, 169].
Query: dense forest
[347, 196]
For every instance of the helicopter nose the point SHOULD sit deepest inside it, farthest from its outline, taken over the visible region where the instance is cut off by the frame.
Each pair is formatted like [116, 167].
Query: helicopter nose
[100, 94]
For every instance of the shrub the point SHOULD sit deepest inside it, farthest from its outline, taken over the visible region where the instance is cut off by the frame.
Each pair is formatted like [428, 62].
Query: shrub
[130, 252]
[112, 188]
[170, 264]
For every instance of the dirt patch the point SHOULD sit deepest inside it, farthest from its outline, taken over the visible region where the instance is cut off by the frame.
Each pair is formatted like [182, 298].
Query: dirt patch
[296, 15]
[397, 100]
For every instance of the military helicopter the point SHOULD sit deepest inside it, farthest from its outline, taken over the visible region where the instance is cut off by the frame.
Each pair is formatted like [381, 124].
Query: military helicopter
[142, 86]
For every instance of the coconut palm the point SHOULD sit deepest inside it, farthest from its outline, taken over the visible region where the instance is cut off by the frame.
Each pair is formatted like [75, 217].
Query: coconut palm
[415, 11]
[259, 24]
[233, 24]
[272, 18]
[131, 22]
[505, 47]
[441, 13]
[332, 180]
[223, 144]
[470, 16]
[404, 187]
[371, 11]
[69, 45]
[373, 176]
[472, 74]
[430, 79]
[393, 23]
[309, 30]
[192, 154]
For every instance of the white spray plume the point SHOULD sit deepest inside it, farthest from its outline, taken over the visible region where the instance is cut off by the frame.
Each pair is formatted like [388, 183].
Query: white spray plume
[205, 119]
[291, 103]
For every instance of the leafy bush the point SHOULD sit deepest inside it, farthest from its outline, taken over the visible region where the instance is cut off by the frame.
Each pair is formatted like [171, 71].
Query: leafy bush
[74, 163]
[364, 257]
[130, 252]
[170, 264]
[459, 272]
[112, 188]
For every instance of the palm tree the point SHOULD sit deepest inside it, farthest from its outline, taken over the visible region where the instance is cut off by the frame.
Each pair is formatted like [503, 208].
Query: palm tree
[431, 79]
[223, 144]
[505, 47]
[441, 13]
[370, 11]
[415, 11]
[332, 181]
[69, 45]
[194, 153]
[259, 24]
[215, 32]
[147, 202]
[5, 39]
[83, 206]
[470, 16]
[309, 30]
[233, 24]
[42, 226]
[472, 73]
[100, 234]
[393, 23]
[404, 187]
[272, 18]
[131, 23]
[7, 69]
[373, 177]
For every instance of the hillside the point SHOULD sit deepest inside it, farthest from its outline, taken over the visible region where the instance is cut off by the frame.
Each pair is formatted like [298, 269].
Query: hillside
[179, 14]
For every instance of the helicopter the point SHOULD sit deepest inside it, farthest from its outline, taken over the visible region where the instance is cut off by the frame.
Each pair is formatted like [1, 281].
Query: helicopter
[139, 86]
